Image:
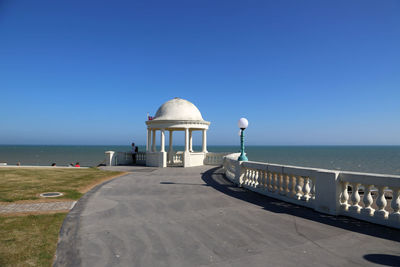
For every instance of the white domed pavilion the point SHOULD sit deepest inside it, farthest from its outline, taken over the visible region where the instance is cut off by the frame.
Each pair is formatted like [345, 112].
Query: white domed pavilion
[176, 115]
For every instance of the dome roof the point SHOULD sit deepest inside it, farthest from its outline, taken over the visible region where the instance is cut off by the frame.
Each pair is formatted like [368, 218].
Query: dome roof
[178, 109]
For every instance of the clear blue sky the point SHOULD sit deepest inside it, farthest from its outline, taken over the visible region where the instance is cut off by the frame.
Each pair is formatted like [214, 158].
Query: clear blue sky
[302, 72]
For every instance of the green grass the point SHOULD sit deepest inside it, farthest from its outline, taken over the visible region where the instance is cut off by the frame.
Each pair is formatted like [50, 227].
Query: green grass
[27, 183]
[29, 240]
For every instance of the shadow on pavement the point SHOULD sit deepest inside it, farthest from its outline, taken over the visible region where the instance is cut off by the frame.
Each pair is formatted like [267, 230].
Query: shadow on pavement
[216, 179]
[183, 183]
[383, 259]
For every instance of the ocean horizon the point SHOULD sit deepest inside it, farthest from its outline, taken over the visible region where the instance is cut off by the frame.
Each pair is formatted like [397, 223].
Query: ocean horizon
[359, 158]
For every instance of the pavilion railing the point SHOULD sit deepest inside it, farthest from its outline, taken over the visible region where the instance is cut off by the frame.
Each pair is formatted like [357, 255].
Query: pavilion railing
[124, 158]
[365, 196]
[214, 158]
[175, 158]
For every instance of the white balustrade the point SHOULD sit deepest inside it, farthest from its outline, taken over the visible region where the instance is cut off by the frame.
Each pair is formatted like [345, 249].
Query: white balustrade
[323, 190]
[214, 158]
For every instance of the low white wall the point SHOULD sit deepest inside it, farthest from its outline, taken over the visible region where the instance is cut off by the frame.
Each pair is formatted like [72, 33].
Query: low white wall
[322, 190]
[192, 159]
[124, 158]
[156, 159]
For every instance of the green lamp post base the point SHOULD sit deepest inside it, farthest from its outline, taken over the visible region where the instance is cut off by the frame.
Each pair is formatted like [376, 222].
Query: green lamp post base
[242, 156]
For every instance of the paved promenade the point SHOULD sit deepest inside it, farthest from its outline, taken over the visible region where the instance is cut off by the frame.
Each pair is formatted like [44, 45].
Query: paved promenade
[194, 217]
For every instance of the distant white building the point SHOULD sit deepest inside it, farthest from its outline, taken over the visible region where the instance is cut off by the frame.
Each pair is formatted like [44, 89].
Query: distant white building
[176, 115]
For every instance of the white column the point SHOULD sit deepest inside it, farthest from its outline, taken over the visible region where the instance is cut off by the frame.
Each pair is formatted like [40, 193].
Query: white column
[191, 141]
[148, 139]
[186, 140]
[153, 145]
[162, 140]
[204, 141]
[170, 141]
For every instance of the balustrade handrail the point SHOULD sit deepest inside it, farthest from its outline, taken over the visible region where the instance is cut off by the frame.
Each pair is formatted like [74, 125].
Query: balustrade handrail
[372, 178]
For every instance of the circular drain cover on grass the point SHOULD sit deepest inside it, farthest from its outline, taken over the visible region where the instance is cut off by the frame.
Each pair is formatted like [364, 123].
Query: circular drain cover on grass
[51, 194]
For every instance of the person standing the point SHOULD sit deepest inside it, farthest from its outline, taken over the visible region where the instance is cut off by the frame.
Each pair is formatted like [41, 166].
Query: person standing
[134, 151]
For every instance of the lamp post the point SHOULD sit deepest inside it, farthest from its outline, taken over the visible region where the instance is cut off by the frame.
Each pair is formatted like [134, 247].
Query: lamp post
[243, 123]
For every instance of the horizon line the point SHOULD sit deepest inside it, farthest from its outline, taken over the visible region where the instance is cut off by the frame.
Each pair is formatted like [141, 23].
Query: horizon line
[250, 145]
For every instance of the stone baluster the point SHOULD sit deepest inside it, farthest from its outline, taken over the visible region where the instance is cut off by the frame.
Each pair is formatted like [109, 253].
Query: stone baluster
[355, 198]
[288, 184]
[276, 182]
[245, 175]
[269, 181]
[344, 205]
[284, 184]
[273, 176]
[381, 203]
[279, 183]
[306, 189]
[299, 189]
[263, 179]
[312, 193]
[252, 177]
[292, 186]
[368, 200]
[395, 216]
[259, 179]
[256, 177]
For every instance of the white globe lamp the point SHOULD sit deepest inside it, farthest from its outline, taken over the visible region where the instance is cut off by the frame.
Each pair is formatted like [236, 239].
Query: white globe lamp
[243, 123]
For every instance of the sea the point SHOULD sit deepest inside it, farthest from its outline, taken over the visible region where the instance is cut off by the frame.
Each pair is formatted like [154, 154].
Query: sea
[373, 159]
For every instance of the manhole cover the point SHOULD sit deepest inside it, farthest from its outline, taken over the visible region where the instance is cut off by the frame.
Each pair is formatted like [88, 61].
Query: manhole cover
[51, 194]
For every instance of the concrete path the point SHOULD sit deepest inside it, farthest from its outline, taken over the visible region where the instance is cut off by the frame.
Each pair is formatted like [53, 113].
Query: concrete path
[34, 207]
[194, 217]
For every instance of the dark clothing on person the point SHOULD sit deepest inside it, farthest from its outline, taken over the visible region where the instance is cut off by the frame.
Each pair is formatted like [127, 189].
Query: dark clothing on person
[134, 151]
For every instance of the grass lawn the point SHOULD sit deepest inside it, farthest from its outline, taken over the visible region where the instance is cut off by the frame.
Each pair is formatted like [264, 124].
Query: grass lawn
[27, 183]
[31, 240]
